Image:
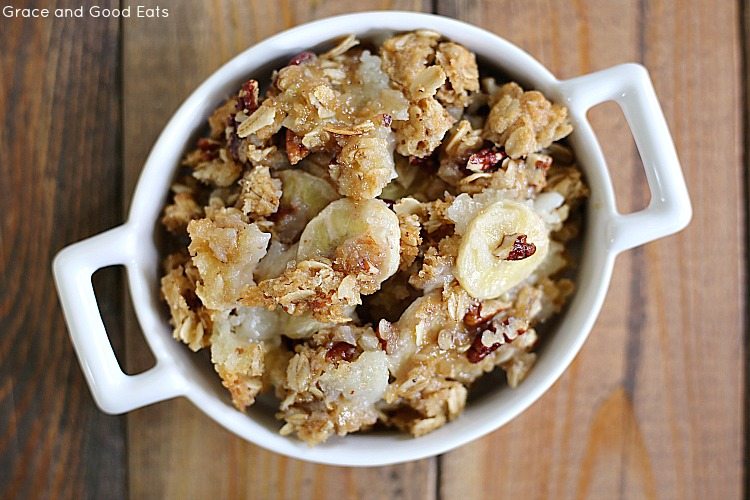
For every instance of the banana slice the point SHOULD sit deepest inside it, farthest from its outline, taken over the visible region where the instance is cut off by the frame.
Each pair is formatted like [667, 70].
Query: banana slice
[501, 247]
[400, 186]
[364, 233]
[303, 197]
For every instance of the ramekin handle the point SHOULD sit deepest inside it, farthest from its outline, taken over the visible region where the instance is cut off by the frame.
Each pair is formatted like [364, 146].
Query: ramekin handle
[113, 390]
[630, 87]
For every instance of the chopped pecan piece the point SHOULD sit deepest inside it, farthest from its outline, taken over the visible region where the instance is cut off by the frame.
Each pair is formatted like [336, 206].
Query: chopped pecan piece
[295, 150]
[247, 99]
[543, 162]
[521, 249]
[503, 332]
[486, 160]
[479, 313]
[205, 144]
[514, 247]
[206, 150]
[474, 316]
[478, 351]
[341, 351]
[301, 58]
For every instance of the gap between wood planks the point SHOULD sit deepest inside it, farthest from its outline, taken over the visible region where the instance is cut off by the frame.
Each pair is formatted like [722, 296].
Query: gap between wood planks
[744, 27]
[461, 9]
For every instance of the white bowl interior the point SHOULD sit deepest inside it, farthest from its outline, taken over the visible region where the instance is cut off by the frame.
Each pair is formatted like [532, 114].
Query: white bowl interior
[485, 413]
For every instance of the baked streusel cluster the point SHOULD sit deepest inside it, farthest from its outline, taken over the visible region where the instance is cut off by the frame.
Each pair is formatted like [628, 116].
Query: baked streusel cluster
[373, 234]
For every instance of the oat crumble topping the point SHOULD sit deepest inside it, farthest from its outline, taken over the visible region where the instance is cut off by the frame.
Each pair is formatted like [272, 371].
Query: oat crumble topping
[370, 232]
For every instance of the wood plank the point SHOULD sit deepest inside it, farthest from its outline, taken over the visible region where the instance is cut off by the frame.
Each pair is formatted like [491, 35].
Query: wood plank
[652, 407]
[60, 165]
[164, 61]
[744, 21]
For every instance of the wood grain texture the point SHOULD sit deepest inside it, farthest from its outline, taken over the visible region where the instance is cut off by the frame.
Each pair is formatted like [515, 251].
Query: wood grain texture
[651, 408]
[653, 405]
[60, 165]
[745, 75]
[174, 451]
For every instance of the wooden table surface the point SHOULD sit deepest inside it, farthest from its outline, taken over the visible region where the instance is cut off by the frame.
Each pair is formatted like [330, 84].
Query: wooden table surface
[652, 407]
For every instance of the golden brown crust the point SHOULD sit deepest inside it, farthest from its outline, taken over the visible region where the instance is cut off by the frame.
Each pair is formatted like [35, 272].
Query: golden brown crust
[240, 366]
[425, 402]
[410, 239]
[178, 215]
[190, 320]
[459, 144]
[432, 75]
[332, 382]
[404, 56]
[524, 122]
[260, 193]
[273, 280]
[221, 118]
[218, 170]
[423, 132]
[225, 251]
[460, 66]
[365, 164]
[310, 287]
[522, 174]
[437, 265]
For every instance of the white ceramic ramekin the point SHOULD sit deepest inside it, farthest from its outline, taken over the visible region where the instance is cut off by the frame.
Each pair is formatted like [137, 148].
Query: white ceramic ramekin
[179, 373]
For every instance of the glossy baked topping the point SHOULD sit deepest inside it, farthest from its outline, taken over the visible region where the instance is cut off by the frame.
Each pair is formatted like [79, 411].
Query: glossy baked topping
[378, 230]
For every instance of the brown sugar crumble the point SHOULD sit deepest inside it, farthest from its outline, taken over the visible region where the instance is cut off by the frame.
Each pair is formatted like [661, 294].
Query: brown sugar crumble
[361, 184]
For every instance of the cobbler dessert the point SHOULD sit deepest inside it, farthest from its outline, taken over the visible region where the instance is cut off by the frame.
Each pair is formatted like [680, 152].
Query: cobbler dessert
[371, 231]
